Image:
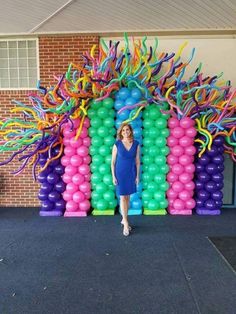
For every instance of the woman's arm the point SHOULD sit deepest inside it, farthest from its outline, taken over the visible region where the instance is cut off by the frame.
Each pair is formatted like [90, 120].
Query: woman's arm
[137, 160]
[113, 161]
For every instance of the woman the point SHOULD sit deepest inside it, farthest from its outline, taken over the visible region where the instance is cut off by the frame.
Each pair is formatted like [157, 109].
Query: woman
[125, 166]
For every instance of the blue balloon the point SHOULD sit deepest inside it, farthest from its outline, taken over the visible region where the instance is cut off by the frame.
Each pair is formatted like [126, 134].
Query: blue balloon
[136, 93]
[118, 104]
[124, 115]
[130, 101]
[124, 93]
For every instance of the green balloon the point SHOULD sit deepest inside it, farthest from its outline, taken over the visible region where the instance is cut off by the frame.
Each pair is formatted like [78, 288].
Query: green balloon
[104, 169]
[109, 140]
[92, 113]
[108, 122]
[147, 160]
[161, 123]
[107, 179]
[108, 103]
[101, 187]
[96, 122]
[154, 113]
[102, 131]
[146, 195]
[93, 150]
[153, 151]
[153, 168]
[165, 132]
[164, 204]
[163, 168]
[111, 113]
[165, 150]
[108, 195]
[147, 123]
[146, 177]
[146, 114]
[103, 113]
[108, 159]
[98, 159]
[102, 204]
[164, 186]
[159, 196]
[96, 104]
[146, 133]
[92, 132]
[160, 160]
[145, 203]
[152, 187]
[96, 177]
[152, 204]
[160, 141]
[93, 167]
[95, 196]
[112, 132]
[104, 150]
[112, 204]
[159, 178]
[153, 132]
[147, 142]
[97, 141]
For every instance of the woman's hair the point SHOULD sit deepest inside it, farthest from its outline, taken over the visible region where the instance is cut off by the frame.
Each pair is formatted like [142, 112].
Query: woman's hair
[119, 132]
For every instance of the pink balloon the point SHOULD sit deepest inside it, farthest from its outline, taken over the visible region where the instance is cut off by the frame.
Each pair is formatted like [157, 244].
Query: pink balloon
[179, 204]
[189, 186]
[75, 143]
[71, 187]
[171, 202]
[86, 122]
[66, 178]
[84, 169]
[87, 195]
[177, 150]
[82, 151]
[72, 206]
[76, 160]
[186, 141]
[76, 123]
[190, 204]
[67, 196]
[87, 159]
[177, 186]
[78, 197]
[177, 169]
[65, 161]
[171, 194]
[69, 151]
[85, 187]
[87, 177]
[185, 160]
[71, 170]
[191, 132]
[185, 177]
[184, 195]
[66, 141]
[84, 206]
[172, 177]
[171, 159]
[84, 132]
[186, 122]
[67, 132]
[173, 123]
[172, 141]
[190, 150]
[189, 168]
[177, 132]
[87, 141]
[78, 179]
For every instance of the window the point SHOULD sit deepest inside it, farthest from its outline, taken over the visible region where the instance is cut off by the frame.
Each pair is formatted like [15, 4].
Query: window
[19, 64]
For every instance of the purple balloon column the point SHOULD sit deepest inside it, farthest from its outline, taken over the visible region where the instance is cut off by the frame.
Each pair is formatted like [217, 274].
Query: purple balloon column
[209, 179]
[52, 186]
[180, 160]
[77, 175]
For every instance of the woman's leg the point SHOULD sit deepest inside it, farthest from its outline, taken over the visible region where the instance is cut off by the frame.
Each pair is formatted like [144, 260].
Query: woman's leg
[124, 200]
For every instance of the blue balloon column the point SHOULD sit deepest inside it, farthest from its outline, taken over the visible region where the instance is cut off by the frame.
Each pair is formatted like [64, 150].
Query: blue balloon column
[130, 97]
[209, 179]
[52, 186]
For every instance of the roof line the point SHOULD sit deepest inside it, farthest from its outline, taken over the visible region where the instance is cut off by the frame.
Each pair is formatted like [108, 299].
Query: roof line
[50, 16]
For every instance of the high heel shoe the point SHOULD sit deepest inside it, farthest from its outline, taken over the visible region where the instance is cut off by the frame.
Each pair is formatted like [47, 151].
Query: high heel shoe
[122, 224]
[126, 231]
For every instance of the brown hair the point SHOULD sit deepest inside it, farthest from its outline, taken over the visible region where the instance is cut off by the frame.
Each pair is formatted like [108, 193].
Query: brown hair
[119, 135]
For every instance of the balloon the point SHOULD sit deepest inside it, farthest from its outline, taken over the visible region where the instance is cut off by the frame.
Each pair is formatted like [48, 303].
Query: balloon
[54, 196]
[104, 150]
[199, 185]
[108, 103]
[42, 195]
[76, 160]
[60, 205]
[66, 141]
[71, 170]
[177, 186]
[177, 169]
[78, 197]
[124, 93]
[204, 160]
[78, 179]
[67, 196]
[213, 151]
[84, 206]
[108, 195]
[72, 206]
[185, 160]
[217, 195]
[177, 150]
[102, 204]
[67, 132]
[86, 122]
[185, 141]
[190, 168]
[189, 186]
[66, 178]
[87, 159]
[103, 113]
[136, 94]
[82, 151]
[173, 123]
[172, 194]
[119, 104]
[199, 167]
[190, 203]
[86, 141]
[203, 195]
[219, 141]
[84, 169]
[217, 177]
[42, 177]
[85, 187]
[65, 160]
[172, 159]
[160, 123]
[69, 151]
[191, 132]
[101, 187]
[179, 204]
[87, 195]
[172, 177]
[71, 187]
[210, 186]
[186, 122]
[75, 143]
[59, 169]
[47, 205]
[210, 204]
[218, 159]
[177, 132]
[60, 186]
[220, 167]
[152, 204]
[53, 178]
[190, 150]
[184, 195]
[160, 160]
[203, 177]
[185, 177]
[211, 168]
[102, 131]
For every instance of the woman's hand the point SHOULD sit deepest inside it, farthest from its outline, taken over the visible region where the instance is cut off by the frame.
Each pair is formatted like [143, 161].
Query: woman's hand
[114, 180]
[137, 181]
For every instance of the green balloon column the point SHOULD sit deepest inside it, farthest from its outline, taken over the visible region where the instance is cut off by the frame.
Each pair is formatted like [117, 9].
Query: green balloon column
[155, 168]
[102, 132]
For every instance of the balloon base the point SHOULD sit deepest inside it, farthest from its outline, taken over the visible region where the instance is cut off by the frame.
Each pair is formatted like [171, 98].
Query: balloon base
[133, 212]
[203, 211]
[75, 214]
[157, 212]
[52, 213]
[108, 212]
[184, 212]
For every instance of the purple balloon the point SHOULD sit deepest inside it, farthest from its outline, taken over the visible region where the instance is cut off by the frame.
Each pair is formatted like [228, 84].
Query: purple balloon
[53, 178]
[60, 205]
[42, 177]
[210, 204]
[199, 185]
[213, 151]
[60, 186]
[46, 171]
[220, 168]
[219, 204]
[219, 159]
[211, 168]
[42, 196]
[199, 167]
[217, 196]
[221, 149]
[46, 187]
[47, 205]
[203, 177]
[199, 203]
[210, 186]
[204, 160]
[54, 196]
[219, 141]
[55, 162]
[42, 161]
[59, 169]
[217, 177]
[203, 195]
[219, 185]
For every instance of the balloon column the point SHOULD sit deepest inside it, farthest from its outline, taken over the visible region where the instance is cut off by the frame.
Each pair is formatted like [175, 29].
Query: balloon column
[155, 167]
[125, 100]
[102, 133]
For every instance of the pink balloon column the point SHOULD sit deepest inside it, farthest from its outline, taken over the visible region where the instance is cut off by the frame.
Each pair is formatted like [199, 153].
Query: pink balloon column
[180, 160]
[77, 175]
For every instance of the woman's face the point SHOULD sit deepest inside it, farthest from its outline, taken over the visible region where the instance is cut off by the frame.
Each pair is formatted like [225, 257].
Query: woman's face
[126, 132]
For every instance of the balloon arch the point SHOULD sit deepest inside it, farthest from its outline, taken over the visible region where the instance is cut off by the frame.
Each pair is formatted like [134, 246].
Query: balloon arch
[184, 126]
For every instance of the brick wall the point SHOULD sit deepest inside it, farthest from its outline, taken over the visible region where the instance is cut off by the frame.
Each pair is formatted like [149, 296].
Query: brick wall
[55, 54]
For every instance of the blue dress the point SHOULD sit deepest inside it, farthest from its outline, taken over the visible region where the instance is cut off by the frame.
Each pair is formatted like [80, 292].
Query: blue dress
[125, 168]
